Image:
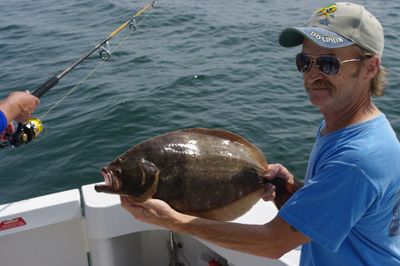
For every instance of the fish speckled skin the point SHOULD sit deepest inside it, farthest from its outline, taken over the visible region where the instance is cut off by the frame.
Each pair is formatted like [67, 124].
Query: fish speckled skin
[205, 172]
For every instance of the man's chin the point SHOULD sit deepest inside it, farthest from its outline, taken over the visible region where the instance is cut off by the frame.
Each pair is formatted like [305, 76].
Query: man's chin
[318, 97]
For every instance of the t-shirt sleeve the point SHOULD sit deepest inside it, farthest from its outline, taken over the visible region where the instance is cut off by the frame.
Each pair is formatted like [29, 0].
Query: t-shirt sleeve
[329, 205]
[3, 121]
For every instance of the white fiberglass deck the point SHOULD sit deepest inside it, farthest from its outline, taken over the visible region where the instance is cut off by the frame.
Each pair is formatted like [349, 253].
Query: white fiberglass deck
[51, 230]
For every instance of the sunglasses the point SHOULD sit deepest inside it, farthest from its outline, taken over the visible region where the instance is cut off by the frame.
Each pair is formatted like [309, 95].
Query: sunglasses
[327, 64]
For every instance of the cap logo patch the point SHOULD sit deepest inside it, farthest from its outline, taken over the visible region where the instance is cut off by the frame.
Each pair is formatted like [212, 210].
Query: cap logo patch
[326, 38]
[326, 12]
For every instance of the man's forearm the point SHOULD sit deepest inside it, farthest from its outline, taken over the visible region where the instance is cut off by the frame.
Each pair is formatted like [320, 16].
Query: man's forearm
[260, 240]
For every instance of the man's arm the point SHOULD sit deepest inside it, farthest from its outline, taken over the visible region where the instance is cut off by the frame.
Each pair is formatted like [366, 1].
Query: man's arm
[271, 240]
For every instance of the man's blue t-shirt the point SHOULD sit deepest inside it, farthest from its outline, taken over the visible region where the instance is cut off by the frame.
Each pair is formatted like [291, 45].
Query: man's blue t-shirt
[350, 203]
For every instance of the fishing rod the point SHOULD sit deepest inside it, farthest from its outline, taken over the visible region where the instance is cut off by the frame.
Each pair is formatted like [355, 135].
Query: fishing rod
[31, 129]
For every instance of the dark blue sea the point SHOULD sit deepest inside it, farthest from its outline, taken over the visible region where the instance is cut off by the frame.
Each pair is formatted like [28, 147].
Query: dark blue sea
[190, 63]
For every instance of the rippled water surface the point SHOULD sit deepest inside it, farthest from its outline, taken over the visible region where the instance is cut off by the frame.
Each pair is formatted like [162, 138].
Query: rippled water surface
[189, 64]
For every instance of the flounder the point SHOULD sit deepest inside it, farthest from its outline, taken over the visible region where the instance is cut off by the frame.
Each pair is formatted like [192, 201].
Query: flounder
[208, 173]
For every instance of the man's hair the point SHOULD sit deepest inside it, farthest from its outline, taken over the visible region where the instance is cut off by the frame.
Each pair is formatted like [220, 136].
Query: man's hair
[379, 82]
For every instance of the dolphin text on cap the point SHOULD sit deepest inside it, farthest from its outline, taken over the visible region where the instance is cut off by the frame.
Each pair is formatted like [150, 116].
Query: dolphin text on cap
[326, 39]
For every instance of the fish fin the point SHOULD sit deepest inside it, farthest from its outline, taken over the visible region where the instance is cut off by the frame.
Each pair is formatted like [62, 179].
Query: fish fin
[284, 190]
[256, 152]
[232, 211]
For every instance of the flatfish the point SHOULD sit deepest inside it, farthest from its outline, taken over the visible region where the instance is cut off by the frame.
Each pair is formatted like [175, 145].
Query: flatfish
[209, 173]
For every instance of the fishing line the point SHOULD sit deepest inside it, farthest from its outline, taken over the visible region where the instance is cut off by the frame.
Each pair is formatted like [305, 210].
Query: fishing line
[33, 127]
[97, 66]
[73, 89]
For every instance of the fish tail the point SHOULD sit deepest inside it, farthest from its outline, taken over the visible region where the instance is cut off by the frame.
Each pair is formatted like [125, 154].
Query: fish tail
[284, 190]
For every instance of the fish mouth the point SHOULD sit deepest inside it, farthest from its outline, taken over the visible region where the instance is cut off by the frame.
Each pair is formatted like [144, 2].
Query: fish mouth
[111, 184]
[107, 176]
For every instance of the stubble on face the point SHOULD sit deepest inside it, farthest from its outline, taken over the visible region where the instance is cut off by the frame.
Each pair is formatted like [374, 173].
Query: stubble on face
[324, 84]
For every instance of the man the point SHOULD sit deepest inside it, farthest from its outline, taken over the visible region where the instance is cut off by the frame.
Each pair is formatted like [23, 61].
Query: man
[17, 106]
[348, 211]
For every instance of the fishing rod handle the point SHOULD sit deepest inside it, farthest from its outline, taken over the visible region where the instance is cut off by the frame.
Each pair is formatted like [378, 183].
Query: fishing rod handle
[46, 87]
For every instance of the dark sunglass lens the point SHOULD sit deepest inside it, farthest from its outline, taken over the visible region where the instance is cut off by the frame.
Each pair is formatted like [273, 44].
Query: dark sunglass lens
[302, 62]
[328, 65]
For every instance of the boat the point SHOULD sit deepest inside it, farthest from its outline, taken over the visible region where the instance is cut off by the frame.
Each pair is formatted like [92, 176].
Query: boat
[81, 227]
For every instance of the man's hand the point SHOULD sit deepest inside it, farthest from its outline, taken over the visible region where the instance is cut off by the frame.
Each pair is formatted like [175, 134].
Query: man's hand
[19, 106]
[275, 171]
[26, 102]
[152, 211]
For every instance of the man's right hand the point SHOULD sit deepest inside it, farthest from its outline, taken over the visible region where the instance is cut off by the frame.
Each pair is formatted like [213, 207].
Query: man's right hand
[19, 106]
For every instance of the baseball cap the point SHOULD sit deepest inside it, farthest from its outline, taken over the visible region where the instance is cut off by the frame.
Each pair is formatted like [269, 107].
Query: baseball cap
[338, 25]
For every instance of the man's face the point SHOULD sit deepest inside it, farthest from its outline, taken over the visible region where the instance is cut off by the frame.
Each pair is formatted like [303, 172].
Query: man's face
[339, 92]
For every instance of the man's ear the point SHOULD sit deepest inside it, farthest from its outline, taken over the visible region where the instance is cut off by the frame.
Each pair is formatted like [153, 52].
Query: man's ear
[372, 65]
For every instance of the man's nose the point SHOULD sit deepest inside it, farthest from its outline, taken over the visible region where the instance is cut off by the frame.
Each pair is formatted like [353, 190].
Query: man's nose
[313, 74]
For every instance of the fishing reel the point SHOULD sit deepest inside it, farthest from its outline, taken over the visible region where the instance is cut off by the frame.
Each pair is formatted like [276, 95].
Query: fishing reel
[24, 133]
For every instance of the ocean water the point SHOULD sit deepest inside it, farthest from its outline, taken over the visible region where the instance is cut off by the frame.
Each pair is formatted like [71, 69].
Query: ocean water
[190, 63]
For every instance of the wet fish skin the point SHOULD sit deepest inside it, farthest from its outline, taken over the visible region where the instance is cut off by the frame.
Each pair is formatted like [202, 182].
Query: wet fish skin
[206, 172]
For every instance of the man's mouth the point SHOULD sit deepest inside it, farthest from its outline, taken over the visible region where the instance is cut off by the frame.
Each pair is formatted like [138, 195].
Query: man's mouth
[318, 85]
